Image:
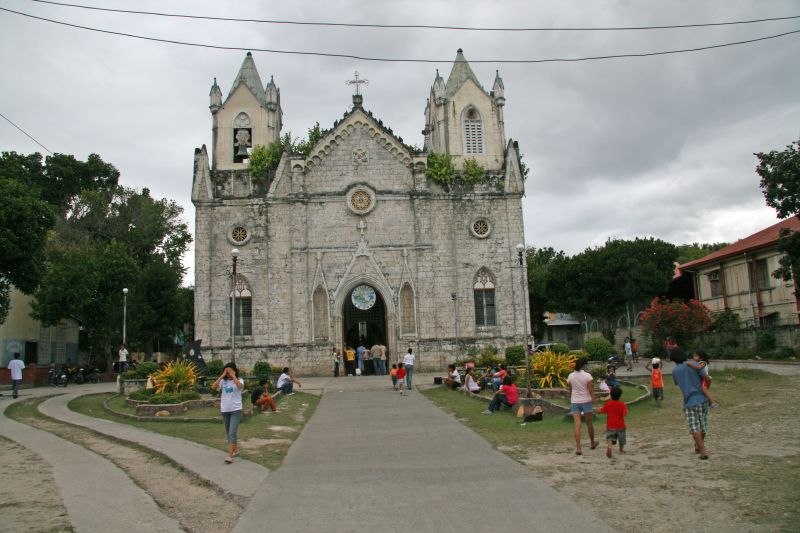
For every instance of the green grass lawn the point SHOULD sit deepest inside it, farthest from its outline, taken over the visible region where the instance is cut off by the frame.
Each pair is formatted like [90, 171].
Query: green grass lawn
[264, 439]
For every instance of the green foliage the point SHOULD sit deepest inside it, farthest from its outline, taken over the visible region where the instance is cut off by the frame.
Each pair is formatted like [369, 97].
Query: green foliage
[780, 183]
[165, 398]
[143, 370]
[473, 171]
[305, 146]
[260, 161]
[141, 395]
[559, 348]
[765, 340]
[690, 252]
[262, 370]
[177, 376]
[598, 372]
[523, 167]
[551, 370]
[677, 319]
[214, 368]
[539, 261]
[515, 355]
[440, 168]
[598, 348]
[727, 321]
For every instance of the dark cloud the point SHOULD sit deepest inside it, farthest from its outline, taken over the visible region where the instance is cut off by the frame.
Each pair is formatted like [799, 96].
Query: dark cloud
[618, 148]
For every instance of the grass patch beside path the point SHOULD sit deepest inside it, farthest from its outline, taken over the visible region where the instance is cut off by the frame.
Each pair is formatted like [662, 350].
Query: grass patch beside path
[751, 483]
[263, 439]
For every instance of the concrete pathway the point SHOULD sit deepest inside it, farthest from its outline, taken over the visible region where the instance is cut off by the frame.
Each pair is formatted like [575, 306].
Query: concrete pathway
[372, 460]
[241, 478]
[97, 494]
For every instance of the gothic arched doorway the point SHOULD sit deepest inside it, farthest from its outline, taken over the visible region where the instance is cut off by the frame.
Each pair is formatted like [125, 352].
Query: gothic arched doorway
[364, 317]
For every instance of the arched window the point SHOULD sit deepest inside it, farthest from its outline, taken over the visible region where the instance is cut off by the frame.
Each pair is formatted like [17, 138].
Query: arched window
[242, 137]
[320, 305]
[473, 131]
[242, 307]
[407, 322]
[483, 289]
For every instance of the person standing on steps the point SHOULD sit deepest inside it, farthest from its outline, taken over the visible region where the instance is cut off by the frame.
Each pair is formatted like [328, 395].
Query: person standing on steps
[408, 364]
[230, 387]
[15, 366]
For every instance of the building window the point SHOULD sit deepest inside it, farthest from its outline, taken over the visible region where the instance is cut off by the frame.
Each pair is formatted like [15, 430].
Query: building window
[481, 228]
[483, 289]
[407, 324]
[242, 307]
[715, 284]
[242, 137]
[320, 314]
[760, 278]
[473, 131]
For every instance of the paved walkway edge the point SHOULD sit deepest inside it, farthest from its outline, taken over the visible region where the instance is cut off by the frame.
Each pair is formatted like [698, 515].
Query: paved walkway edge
[242, 478]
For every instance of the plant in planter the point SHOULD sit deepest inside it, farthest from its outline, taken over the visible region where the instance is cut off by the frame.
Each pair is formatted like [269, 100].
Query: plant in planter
[551, 370]
[177, 376]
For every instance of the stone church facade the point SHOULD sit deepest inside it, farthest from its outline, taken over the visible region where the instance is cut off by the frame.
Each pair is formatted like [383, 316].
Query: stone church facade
[354, 241]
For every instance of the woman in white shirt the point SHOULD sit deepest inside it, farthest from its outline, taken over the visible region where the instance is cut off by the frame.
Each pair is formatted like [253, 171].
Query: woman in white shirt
[230, 405]
[470, 385]
[579, 384]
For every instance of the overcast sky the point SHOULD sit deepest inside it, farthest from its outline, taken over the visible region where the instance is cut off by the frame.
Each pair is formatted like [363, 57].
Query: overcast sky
[658, 146]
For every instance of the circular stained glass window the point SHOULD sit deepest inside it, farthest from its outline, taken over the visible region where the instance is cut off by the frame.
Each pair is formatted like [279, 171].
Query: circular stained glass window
[239, 234]
[480, 228]
[361, 201]
[363, 297]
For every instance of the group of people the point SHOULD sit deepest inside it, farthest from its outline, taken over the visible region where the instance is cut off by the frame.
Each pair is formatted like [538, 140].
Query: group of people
[361, 360]
[690, 375]
[230, 387]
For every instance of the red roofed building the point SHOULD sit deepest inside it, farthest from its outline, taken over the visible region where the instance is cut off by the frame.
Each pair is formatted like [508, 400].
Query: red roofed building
[739, 278]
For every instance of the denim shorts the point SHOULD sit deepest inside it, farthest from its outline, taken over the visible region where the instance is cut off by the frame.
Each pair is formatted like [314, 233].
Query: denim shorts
[585, 408]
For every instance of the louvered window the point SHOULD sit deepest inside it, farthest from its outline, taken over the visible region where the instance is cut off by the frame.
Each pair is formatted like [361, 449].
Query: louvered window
[473, 131]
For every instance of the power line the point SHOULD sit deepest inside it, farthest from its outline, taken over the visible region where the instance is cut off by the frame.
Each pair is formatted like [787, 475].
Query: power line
[399, 60]
[26, 133]
[411, 26]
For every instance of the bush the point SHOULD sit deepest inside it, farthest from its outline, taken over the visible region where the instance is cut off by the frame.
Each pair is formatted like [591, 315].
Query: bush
[598, 348]
[551, 370]
[262, 370]
[177, 376]
[515, 355]
[214, 368]
[141, 395]
[143, 370]
[598, 372]
[765, 340]
[560, 347]
[173, 397]
[784, 352]
[488, 360]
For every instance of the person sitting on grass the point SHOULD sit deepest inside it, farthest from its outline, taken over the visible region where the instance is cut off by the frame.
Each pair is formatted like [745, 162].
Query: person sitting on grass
[615, 410]
[699, 362]
[286, 382]
[611, 376]
[470, 385]
[260, 397]
[453, 379]
[507, 395]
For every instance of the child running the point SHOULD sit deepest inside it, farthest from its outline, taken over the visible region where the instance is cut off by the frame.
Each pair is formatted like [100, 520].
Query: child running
[699, 362]
[656, 379]
[615, 410]
[393, 376]
[401, 377]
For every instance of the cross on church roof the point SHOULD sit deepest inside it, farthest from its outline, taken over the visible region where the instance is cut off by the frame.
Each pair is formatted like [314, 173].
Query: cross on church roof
[357, 81]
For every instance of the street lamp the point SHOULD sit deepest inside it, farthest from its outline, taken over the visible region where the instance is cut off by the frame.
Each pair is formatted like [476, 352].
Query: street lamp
[235, 256]
[124, 312]
[522, 277]
[454, 297]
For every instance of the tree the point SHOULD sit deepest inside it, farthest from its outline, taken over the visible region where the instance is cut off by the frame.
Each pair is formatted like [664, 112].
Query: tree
[600, 281]
[691, 252]
[539, 261]
[780, 183]
[676, 319]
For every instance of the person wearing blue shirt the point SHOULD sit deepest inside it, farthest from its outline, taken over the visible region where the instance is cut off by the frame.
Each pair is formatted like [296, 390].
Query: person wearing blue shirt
[695, 404]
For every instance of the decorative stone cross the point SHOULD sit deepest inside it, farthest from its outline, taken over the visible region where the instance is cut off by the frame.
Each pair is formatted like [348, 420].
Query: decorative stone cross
[357, 81]
[362, 226]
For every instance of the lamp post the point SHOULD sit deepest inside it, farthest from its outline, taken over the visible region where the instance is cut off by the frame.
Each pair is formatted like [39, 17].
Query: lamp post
[124, 312]
[454, 297]
[522, 278]
[234, 256]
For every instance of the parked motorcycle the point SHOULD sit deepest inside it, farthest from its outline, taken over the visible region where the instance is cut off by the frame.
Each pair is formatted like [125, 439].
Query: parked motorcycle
[57, 378]
[90, 375]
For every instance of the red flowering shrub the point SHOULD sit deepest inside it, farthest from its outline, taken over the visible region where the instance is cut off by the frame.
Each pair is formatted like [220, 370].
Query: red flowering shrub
[676, 319]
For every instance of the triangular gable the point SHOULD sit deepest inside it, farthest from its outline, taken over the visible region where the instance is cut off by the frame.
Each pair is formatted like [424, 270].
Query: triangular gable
[513, 177]
[249, 77]
[201, 186]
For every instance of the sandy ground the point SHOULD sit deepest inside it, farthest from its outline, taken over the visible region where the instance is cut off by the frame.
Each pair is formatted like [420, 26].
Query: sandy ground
[750, 484]
[29, 499]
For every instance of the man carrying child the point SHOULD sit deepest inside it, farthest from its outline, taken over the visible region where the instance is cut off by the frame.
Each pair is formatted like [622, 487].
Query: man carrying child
[695, 403]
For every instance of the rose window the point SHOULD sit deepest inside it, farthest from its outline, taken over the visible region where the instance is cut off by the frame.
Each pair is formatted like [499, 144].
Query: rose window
[361, 200]
[480, 228]
[239, 234]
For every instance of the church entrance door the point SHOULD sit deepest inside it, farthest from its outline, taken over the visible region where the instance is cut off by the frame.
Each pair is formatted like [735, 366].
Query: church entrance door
[364, 319]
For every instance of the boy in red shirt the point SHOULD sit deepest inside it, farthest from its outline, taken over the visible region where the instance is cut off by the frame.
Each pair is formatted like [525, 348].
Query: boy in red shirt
[401, 377]
[615, 425]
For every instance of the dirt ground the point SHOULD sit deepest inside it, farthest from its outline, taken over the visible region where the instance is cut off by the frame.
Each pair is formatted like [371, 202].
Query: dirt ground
[197, 507]
[751, 483]
[31, 502]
